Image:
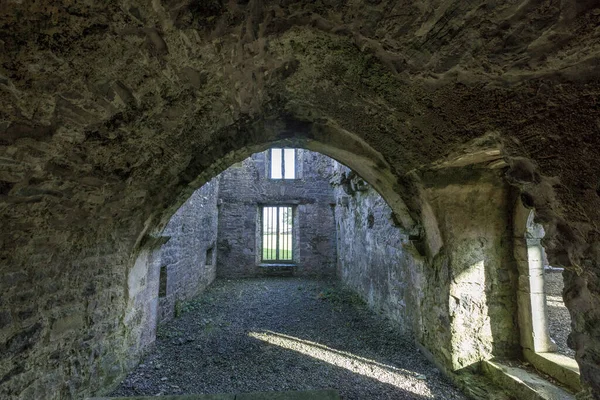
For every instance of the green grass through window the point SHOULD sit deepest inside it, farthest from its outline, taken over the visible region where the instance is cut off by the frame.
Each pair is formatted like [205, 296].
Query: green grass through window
[269, 251]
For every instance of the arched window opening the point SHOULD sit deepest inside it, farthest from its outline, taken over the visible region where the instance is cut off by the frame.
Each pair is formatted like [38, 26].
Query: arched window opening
[543, 317]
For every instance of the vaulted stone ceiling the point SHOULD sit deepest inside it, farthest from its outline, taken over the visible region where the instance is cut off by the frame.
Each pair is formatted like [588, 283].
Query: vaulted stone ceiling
[108, 110]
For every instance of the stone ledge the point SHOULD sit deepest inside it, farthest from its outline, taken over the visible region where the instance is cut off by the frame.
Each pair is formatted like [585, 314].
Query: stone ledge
[276, 265]
[560, 367]
[277, 269]
[523, 384]
[305, 395]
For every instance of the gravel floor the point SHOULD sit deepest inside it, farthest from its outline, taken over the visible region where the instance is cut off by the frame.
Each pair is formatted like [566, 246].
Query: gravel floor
[559, 319]
[284, 334]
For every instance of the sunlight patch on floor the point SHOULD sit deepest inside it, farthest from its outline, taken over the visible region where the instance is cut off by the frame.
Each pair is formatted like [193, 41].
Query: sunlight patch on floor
[401, 378]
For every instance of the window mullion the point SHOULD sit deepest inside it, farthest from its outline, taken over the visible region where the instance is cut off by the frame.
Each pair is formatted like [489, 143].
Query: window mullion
[273, 250]
[277, 235]
[282, 163]
[291, 229]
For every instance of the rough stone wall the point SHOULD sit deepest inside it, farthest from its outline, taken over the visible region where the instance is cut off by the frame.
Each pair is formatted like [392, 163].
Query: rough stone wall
[192, 231]
[111, 114]
[142, 306]
[375, 257]
[469, 302]
[89, 318]
[246, 186]
[461, 305]
[62, 331]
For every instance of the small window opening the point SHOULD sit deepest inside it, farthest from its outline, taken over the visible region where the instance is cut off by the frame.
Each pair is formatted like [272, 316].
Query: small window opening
[283, 163]
[162, 285]
[549, 324]
[209, 256]
[277, 234]
[370, 220]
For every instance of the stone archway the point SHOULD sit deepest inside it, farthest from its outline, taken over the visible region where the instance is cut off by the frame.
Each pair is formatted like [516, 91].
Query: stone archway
[112, 110]
[470, 262]
[140, 314]
[324, 137]
[452, 188]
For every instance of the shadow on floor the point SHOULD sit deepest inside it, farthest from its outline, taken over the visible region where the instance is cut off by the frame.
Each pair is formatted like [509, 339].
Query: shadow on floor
[282, 334]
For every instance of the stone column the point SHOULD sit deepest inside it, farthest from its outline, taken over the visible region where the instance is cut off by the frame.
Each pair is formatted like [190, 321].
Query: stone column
[542, 342]
[529, 255]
